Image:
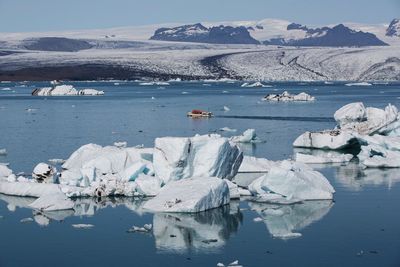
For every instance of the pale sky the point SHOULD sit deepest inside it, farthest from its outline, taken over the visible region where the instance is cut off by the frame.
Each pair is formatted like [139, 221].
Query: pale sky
[47, 15]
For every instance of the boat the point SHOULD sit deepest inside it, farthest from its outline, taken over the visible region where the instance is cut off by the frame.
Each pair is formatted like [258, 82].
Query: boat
[197, 113]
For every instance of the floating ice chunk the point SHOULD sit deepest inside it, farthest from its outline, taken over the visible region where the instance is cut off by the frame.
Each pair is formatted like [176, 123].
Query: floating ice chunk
[286, 96]
[328, 157]
[373, 156]
[179, 158]
[258, 219]
[145, 229]
[190, 195]
[358, 84]
[83, 226]
[328, 139]
[52, 202]
[26, 220]
[43, 172]
[256, 84]
[227, 129]
[3, 151]
[293, 180]
[226, 108]
[248, 136]
[90, 92]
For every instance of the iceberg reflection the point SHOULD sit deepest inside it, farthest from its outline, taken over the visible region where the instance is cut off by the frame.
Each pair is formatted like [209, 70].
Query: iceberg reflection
[284, 221]
[205, 231]
[355, 178]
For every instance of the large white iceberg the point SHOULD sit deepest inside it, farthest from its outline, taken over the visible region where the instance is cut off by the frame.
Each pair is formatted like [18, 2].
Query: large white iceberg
[190, 195]
[65, 90]
[328, 139]
[178, 158]
[286, 97]
[293, 180]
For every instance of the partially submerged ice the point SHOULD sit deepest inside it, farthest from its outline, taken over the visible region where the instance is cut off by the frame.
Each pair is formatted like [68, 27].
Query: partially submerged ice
[327, 139]
[293, 181]
[65, 90]
[190, 195]
[286, 97]
[178, 158]
[248, 136]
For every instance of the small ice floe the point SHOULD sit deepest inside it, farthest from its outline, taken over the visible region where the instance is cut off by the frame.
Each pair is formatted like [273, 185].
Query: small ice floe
[53, 202]
[30, 109]
[358, 84]
[153, 83]
[44, 172]
[3, 151]
[83, 226]
[121, 144]
[116, 83]
[232, 264]
[185, 93]
[287, 97]
[206, 84]
[6, 89]
[153, 98]
[137, 229]
[226, 108]
[327, 82]
[26, 220]
[56, 161]
[248, 136]
[256, 84]
[227, 129]
[258, 219]
[225, 92]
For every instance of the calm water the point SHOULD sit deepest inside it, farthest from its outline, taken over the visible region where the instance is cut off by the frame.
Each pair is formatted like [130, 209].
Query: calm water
[360, 228]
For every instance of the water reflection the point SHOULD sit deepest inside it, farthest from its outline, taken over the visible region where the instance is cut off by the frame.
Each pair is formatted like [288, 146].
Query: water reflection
[284, 221]
[355, 178]
[205, 231]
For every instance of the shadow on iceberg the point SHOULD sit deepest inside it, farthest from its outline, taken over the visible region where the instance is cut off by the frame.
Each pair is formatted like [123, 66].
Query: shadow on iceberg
[284, 221]
[355, 178]
[203, 231]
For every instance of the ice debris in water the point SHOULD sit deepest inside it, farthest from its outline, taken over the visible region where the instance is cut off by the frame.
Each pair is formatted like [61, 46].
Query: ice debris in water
[232, 264]
[3, 151]
[26, 220]
[144, 229]
[65, 90]
[358, 84]
[83, 226]
[248, 136]
[56, 161]
[227, 129]
[286, 97]
[226, 108]
[255, 84]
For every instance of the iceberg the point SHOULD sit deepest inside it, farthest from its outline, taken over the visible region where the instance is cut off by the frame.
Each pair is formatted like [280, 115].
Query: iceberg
[293, 180]
[328, 139]
[3, 151]
[248, 136]
[286, 97]
[178, 158]
[255, 84]
[190, 195]
[65, 90]
[358, 84]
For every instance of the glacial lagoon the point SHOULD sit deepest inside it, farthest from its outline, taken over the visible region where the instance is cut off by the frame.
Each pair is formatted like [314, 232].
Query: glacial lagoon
[359, 228]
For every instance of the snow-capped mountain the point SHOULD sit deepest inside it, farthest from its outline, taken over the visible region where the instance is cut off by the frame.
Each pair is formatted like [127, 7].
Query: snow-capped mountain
[336, 36]
[201, 34]
[394, 28]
